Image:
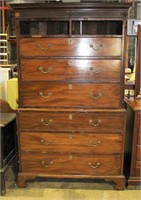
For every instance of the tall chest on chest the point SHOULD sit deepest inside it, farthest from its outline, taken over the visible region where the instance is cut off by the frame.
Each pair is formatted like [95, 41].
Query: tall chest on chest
[71, 119]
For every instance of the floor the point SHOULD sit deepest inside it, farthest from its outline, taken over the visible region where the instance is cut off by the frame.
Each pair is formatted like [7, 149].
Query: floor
[67, 190]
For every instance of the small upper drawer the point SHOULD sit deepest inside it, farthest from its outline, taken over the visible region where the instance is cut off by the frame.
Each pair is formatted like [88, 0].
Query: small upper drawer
[70, 46]
[70, 69]
[65, 94]
[73, 142]
[59, 121]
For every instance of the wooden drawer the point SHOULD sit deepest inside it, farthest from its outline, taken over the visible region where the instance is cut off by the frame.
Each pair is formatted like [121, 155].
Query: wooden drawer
[57, 164]
[102, 121]
[63, 69]
[62, 94]
[73, 142]
[70, 46]
[138, 152]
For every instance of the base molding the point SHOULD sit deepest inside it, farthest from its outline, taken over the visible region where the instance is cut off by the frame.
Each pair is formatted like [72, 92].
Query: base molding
[118, 180]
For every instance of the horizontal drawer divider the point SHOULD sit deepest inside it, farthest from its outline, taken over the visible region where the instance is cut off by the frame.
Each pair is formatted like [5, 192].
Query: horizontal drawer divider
[72, 57]
[68, 153]
[69, 131]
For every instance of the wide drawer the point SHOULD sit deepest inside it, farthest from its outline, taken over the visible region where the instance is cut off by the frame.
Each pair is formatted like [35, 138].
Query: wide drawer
[73, 142]
[102, 121]
[70, 46]
[57, 164]
[68, 69]
[62, 94]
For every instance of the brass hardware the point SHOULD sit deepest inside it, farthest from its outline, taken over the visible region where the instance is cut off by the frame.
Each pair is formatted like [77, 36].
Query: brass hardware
[95, 165]
[70, 42]
[46, 123]
[70, 86]
[94, 145]
[46, 165]
[46, 143]
[45, 97]
[70, 62]
[70, 116]
[91, 68]
[70, 137]
[96, 47]
[44, 49]
[41, 69]
[96, 71]
[43, 152]
[70, 157]
[95, 124]
[97, 96]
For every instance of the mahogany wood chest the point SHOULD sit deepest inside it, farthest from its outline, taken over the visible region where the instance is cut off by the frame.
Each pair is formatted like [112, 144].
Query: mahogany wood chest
[71, 116]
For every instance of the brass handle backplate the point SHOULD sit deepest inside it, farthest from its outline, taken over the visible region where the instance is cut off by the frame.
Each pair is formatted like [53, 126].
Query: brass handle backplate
[45, 96]
[40, 46]
[97, 123]
[46, 165]
[46, 143]
[46, 123]
[94, 145]
[94, 166]
[96, 47]
[96, 70]
[41, 69]
[97, 96]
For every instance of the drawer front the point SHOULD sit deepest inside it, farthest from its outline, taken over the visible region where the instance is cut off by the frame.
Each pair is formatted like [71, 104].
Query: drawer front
[70, 47]
[71, 164]
[61, 121]
[75, 142]
[44, 94]
[63, 69]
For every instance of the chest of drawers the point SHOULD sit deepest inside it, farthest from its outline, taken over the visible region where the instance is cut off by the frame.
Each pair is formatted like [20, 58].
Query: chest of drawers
[71, 118]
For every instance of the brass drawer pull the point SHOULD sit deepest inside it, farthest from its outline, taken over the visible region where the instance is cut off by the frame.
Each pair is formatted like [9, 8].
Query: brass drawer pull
[95, 96]
[41, 69]
[94, 145]
[96, 71]
[45, 97]
[46, 165]
[46, 143]
[95, 124]
[40, 46]
[70, 137]
[70, 157]
[96, 47]
[46, 123]
[95, 165]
